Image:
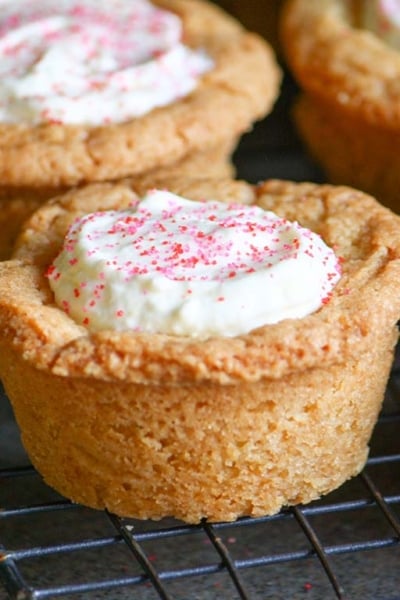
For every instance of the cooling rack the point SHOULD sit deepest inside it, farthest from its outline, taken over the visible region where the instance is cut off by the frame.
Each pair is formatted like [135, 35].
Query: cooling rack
[50, 548]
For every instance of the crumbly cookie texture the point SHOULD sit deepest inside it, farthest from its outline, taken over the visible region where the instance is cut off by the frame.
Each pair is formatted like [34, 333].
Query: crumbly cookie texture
[350, 150]
[336, 61]
[350, 78]
[18, 203]
[240, 89]
[151, 425]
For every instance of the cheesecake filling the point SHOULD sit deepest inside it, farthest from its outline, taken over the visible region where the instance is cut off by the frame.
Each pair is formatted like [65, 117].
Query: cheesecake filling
[92, 62]
[175, 266]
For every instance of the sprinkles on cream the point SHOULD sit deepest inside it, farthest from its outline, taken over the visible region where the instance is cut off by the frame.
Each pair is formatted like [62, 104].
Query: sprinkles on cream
[91, 62]
[200, 269]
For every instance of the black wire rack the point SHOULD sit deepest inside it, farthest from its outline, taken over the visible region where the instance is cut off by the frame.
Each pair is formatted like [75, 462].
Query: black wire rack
[51, 548]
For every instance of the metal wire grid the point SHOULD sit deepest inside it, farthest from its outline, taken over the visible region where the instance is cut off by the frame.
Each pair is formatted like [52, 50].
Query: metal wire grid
[142, 572]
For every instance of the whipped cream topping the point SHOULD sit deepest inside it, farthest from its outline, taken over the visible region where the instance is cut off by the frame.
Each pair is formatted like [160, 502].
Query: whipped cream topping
[200, 269]
[382, 17]
[91, 62]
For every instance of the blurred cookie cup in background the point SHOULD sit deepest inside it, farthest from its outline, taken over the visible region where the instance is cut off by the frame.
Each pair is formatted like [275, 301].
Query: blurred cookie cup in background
[234, 364]
[345, 58]
[95, 91]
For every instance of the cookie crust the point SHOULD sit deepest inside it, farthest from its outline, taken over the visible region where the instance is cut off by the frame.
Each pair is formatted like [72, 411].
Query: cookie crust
[349, 149]
[239, 90]
[340, 63]
[349, 111]
[362, 232]
[150, 426]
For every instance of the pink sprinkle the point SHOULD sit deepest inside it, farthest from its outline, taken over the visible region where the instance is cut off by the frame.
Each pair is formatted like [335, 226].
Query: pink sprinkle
[50, 270]
[66, 306]
[308, 587]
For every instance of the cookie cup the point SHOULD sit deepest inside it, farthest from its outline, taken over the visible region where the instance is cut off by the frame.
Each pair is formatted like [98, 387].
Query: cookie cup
[149, 425]
[349, 114]
[239, 89]
[195, 135]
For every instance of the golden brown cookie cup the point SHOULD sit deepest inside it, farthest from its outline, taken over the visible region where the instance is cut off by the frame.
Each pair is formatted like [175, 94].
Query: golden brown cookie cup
[239, 89]
[192, 137]
[152, 425]
[351, 150]
[349, 114]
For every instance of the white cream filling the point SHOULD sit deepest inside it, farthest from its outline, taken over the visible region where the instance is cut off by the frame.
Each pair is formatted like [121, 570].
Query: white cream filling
[199, 269]
[91, 62]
